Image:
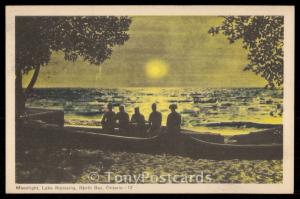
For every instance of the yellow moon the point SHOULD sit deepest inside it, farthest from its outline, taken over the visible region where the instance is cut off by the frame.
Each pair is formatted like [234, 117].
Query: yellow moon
[156, 69]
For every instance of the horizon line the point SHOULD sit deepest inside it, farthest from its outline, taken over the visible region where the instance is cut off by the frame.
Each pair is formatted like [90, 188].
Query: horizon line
[78, 87]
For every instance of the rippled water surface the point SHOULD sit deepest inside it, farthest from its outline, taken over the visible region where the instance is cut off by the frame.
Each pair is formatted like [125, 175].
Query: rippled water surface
[85, 106]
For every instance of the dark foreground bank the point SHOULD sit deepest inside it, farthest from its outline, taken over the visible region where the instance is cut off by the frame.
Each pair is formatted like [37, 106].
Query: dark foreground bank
[66, 165]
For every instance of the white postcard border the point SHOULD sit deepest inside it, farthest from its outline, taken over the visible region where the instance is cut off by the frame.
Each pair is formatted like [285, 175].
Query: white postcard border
[288, 116]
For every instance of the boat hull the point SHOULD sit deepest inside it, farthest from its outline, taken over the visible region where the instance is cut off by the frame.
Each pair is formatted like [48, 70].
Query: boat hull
[185, 144]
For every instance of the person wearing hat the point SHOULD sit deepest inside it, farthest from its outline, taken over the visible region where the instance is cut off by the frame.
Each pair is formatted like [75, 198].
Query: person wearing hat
[138, 120]
[173, 120]
[109, 119]
[154, 119]
[123, 119]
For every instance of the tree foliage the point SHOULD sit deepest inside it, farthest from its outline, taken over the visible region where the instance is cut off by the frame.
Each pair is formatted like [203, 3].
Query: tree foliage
[262, 36]
[91, 38]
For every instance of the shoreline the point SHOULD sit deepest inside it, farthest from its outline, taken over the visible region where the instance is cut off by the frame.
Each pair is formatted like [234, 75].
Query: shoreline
[65, 165]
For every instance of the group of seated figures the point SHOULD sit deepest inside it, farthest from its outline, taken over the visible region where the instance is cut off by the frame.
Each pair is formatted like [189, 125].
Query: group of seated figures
[137, 123]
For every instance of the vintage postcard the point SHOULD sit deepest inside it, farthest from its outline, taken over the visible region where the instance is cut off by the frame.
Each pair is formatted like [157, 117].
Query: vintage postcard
[149, 99]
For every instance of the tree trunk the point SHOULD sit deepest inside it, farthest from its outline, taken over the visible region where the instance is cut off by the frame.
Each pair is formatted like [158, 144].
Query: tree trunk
[32, 81]
[20, 98]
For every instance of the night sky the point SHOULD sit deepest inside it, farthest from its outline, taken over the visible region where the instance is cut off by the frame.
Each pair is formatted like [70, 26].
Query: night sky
[188, 55]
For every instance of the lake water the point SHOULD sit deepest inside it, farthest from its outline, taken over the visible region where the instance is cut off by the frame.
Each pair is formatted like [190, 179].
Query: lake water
[198, 107]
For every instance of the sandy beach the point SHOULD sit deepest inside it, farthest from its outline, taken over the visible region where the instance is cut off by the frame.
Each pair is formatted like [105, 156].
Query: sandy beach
[63, 165]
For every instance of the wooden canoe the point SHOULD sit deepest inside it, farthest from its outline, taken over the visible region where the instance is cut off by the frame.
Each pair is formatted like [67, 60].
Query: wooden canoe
[186, 143]
[229, 151]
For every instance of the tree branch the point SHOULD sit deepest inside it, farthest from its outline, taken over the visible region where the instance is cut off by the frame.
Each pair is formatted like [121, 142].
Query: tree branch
[32, 81]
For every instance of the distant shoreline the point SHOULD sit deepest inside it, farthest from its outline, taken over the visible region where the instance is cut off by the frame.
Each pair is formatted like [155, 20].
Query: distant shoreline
[162, 87]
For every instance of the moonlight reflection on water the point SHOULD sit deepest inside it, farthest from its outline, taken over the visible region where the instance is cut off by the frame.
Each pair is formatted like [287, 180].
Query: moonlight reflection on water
[85, 106]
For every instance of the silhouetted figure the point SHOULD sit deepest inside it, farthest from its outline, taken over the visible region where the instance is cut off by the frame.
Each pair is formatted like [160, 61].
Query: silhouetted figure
[154, 119]
[123, 119]
[138, 120]
[174, 120]
[109, 119]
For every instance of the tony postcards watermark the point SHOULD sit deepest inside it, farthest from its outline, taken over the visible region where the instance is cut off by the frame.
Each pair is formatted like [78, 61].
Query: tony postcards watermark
[146, 177]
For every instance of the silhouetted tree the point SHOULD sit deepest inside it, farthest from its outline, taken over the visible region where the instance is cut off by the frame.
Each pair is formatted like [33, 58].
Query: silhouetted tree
[263, 38]
[91, 38]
